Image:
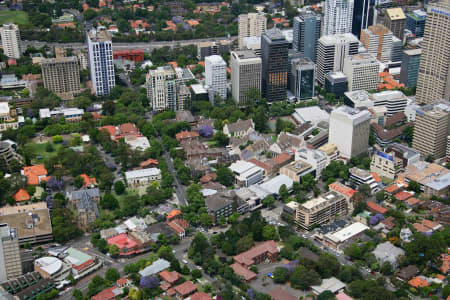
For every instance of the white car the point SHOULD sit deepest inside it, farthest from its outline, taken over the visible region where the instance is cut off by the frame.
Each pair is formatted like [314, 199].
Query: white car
[184, 261]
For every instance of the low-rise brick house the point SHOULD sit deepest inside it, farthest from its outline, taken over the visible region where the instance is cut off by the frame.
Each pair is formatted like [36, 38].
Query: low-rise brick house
[258, 254]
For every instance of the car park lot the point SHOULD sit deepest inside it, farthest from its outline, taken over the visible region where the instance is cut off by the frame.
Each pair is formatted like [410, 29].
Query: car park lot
[265, 284]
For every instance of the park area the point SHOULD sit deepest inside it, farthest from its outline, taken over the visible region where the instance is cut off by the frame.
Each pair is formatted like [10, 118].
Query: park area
[14, 16]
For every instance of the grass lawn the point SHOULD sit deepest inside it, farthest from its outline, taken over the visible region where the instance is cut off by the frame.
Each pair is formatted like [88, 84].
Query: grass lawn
[15, 16]
[40, 155]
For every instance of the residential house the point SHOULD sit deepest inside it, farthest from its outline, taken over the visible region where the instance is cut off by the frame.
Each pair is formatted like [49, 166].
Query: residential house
[406, 273]
[376, 208]
[21, 196]
[287, 142]
[143, 177]
[185, 289]
[331, 284]
[187, 136]
[239, 129]
[386, 252]
[89, 182]
[35, 174]
[179, 227]
[86, 203]
[281, 294]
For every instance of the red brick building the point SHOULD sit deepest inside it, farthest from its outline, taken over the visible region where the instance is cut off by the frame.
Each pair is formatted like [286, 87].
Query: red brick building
[134, 55]
[258, 254]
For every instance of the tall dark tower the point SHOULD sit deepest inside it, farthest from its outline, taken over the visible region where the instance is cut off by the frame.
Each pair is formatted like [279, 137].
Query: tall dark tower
[363, 15]
[274, 54]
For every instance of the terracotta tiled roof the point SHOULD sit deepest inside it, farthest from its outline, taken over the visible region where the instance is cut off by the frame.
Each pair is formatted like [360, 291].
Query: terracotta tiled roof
[243, 272]
[208, 177]
[281, 158]
[148, 162]
[88, 180]
[392, 188]
[248, 256]
[170, 277]
[33, 173]
[342, 189]
[173, 213]
[112, 130]
[418, 282]
[200, 296]
[402, 196]
[280, 294]
[186, 134]
[21, 195]
[376, 208]
[413, 201]
[128, 129]
[186, 288]
[375, 177]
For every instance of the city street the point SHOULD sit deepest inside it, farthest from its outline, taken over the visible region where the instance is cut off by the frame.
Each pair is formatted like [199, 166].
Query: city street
[147, 47]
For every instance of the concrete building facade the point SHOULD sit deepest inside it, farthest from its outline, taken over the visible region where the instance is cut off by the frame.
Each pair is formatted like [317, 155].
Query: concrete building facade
[361, 71]
[377, 39]
[245, 75]
[216, 77]
[61, 76]
[10, 35]
[433, 82]
[251, 24]
[331, 52]
[430, 132]
[10, 262]
[395, 21]
[338, 16]
[349, 130]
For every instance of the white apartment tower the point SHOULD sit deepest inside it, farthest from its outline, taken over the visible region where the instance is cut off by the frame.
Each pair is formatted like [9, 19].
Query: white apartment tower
[245, 75]
[101, 61]
[338, 16]
[251, 24]
[361, 71]
[216, 76]
[331, 52]
[161, 88]
[349, 130]
[11, 40]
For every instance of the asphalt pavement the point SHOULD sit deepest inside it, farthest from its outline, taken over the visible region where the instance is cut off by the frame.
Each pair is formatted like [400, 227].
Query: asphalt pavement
[147, 47]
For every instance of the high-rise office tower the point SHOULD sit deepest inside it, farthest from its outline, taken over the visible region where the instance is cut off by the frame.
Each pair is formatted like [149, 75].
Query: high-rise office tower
[395, 21]
[10, 262]
[61, 76]
[307, 28]
[303, 77]
[336, 83]
[101, 61]
[11, 40]
[415, 22]
[364, 15]
[338, 17]
[245, 75]
[434, 70]
[349, 130]
[274, 50]
[251, 24]
[431, 129]
[410, 67]
[216, 77]
[397, 49]
[361, 71]
[331, 51]
[377, 39]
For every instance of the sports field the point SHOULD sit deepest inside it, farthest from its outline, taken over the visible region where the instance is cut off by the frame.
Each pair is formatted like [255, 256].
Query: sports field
[15, 16]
